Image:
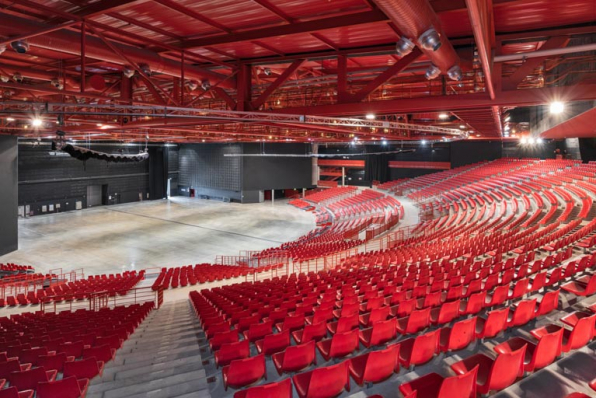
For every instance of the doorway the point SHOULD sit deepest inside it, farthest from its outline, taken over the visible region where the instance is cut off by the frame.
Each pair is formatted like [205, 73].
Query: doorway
[94, 195]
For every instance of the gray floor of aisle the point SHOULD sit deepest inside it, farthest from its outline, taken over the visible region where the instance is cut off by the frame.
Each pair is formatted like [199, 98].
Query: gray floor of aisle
[173, 232]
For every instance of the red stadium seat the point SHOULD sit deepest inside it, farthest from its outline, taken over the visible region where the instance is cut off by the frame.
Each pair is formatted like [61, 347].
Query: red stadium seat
[295, 358]
[12, 392]
[375, 366]
[459, 336]
[538, 355]
[495, 322]
[243, 372]
[53, 362]
[231, 336]
[340, 345]
[329, 381]
[583, 287]
[68, 387]
[314, 332]
[493, 374]
[380, 333]
[281, 389]
[417, 321]
[28, 379]
[257, 331]
[433, 385]
[418, 350]
[232, 351]
[86, 368]
[579, 336]
[523, 313]
[549, 302]
[102, 353]
[445, 313]
[343, 324]
[273, 343]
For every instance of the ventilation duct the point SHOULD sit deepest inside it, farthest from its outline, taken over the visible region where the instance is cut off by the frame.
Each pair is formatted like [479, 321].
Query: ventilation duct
[417, 19]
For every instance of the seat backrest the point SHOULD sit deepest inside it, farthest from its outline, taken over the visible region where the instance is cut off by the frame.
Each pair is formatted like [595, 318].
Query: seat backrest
[74, 349]
[499, 295]
[524, 312]
[496, 321]
[381, 362]
[260, 329]
[418, 320]
[8, 367]
[314, 331]
[406, 307]
[346, 323]
[343, 344]
[550, 301]
[9, 392]
[424, 348]
[582, 332]
[449, 311]
[476, 303]
[65, 388]
[349, 309]
[460, 386]
[102, 352]
[276, 341]
[27, 379]
[379, 314]
[322, 315]
[52, 362]
[83, 369]
[462, 334]
[329, 381]
[246, 369]
[240, 348]
[548, 348]
[505, 369]
[591, 286]
[281, 389]
[299, 356]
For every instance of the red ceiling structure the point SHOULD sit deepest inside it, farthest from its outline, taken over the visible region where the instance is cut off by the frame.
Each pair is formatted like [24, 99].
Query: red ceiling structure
[166, 70]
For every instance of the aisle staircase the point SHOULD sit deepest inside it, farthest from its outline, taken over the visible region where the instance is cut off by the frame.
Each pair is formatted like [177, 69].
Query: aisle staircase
[160, 360]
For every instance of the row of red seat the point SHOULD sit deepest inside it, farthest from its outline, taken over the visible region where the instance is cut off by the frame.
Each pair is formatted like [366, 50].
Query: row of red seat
[36, 348]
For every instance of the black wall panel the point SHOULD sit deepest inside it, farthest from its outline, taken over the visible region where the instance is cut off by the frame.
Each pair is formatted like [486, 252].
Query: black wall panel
[470, 151]
[204, 166]
[9, 234]
[264, 173]
[47, 179]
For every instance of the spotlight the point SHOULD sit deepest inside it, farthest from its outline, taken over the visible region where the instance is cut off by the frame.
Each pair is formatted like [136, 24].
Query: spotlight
[145, 69]
[423, 142]
[557, 107]
[17, 77]
[128, 71]
[404, 46]
[4, 78]
[10, 119]
[444, 116]
[539, 140]
[531, 140]
[462, 126]
[36, 122]
[430, 40]
[370, 116]
[267, 72]
[432, 72]
[192, 85]
[384, 142]
[524, 140]
[454, 73]
[20, 46]
[205, 85]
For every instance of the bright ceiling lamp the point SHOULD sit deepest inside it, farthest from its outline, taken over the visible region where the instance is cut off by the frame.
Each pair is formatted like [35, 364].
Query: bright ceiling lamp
[443, 116]
[557, 107]
[36, 122]
[370, 116]
[524, 140]
[531, 140]
[423, 142]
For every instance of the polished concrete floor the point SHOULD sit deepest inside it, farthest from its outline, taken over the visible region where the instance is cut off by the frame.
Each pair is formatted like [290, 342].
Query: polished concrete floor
[173, 232]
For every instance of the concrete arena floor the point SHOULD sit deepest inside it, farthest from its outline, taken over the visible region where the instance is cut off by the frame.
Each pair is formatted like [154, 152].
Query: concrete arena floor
[173, 232]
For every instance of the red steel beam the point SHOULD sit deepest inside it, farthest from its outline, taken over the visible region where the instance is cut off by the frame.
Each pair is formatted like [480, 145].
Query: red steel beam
[193, 14]
[580, 126]
[221, 93]
[256, 104]
[528, 97]
[511, 82]
[480, 12]
[290, 29]
[386, 75]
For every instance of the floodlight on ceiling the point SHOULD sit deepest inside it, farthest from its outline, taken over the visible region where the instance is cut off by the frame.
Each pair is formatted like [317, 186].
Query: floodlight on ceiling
[430, 40]
[370, 116]
[557, 107]
[432, 72]
[404, 46]
[454, 73]
[444, 116]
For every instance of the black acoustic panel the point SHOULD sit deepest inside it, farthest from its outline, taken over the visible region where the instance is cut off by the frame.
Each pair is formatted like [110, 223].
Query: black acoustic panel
[468, 152]
[263, 173]
[9, 234]
[205, 166]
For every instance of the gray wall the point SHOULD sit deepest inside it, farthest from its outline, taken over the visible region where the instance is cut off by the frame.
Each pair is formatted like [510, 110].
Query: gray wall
[9, 234]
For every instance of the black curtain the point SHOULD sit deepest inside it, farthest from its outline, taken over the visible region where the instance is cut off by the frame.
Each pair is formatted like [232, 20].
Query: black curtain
[587, 148]
[158, 172]
[376, 167]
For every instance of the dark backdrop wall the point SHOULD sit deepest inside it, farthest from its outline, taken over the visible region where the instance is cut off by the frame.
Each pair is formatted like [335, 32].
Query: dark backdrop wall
[51, 180]
[470, 151]
[266, 173]
[9, 234]
[208, 173]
